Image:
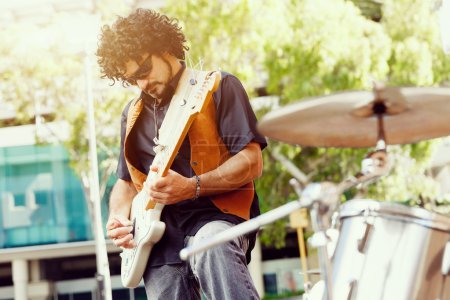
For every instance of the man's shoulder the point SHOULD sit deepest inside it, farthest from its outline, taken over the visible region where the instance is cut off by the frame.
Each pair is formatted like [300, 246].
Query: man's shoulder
[230, 81]
[226, 75]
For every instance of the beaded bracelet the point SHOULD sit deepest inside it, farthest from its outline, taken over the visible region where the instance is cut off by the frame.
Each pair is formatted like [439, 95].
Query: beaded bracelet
[197, 187]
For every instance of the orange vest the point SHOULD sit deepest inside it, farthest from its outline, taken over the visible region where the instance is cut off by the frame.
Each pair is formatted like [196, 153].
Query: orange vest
[207, 153]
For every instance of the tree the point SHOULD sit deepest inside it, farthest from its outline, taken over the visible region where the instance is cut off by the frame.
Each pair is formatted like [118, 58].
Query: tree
[337, 48]
[51, 78]
[300, 49]
[230, 35]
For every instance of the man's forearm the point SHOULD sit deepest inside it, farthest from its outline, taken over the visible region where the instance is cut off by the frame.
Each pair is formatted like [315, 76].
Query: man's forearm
[121, 197]
[237, 171]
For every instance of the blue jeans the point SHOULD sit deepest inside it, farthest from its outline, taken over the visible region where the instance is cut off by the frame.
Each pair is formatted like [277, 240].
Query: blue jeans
[219, 273]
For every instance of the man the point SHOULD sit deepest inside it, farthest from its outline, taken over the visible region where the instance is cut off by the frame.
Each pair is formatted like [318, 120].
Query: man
[147, 49]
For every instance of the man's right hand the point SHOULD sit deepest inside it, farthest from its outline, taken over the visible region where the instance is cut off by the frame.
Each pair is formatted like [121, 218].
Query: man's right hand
[118, 229]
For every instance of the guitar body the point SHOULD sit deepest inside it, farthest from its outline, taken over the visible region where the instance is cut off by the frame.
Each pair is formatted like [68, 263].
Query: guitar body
[193, 94]
[148, 230]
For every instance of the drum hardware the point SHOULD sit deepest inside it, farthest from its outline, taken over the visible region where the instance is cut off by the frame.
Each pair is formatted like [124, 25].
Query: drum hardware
[333, 233]
[315, 292]
[333, 236]
[312, 194]
[321, 199]
[321, 240]
[307, 289]
[402, 258]
[362, 241]
[358, 119]
[375, 165]
[351, 287]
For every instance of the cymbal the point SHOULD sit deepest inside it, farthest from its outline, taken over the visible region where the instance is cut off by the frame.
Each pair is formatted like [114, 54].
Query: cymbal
[348, 119]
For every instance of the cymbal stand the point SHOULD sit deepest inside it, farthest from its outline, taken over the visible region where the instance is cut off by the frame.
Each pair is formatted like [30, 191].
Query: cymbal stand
[376, 163]
[327, 199]
[373, 167]
[321, 198]
[327, 196]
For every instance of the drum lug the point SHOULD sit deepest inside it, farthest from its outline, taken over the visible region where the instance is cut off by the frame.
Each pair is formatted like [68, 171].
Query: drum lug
[363, 240]
[369, 225]
[445, 268]
[352, 287]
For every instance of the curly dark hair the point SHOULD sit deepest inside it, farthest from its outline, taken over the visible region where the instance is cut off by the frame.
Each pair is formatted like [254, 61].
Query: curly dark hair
[143, 31]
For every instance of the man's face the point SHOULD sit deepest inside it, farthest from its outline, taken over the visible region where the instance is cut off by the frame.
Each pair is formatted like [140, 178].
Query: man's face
[152, 75]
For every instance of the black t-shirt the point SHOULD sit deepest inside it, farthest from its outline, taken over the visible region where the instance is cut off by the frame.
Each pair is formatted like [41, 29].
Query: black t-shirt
[237, 127]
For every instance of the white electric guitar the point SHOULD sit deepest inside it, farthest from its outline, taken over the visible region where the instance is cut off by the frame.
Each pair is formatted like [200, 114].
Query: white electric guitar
[193, 94]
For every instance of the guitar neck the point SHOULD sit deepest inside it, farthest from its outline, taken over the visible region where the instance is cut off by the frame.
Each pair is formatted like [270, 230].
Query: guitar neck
[192, 96]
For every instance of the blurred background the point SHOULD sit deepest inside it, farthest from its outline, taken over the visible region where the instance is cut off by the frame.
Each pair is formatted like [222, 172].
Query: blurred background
[283, 51]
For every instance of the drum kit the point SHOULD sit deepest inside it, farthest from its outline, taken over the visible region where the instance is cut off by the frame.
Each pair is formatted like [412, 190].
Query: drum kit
[367, 249]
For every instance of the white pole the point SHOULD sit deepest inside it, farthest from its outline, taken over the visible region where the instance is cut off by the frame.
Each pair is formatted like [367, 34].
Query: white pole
[103, 275]
[20, 279]
[255, 268]
[444, 18]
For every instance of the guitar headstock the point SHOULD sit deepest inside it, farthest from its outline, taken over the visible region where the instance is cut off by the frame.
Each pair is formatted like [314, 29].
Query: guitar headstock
[209, 82]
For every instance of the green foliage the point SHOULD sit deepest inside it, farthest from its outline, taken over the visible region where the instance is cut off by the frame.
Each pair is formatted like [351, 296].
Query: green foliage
[53, 79]
[107, 121]
[37, 79]
[229, 35]
[417, 58]
[407, 68]
[334, 48]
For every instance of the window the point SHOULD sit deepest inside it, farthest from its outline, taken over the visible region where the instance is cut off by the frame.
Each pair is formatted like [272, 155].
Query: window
[20, 200]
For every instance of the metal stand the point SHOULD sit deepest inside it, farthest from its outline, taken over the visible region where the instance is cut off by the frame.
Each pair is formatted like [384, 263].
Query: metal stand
[322, 199]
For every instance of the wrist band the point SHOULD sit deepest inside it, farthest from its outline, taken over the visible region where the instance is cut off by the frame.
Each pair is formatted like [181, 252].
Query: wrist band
[197, 187]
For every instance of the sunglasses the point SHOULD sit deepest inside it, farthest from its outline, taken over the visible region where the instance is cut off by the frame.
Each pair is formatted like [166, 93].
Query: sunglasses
[143, 71]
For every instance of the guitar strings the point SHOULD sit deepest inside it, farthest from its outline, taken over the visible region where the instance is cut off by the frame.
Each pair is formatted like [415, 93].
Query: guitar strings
[179, 126]
[161, 156]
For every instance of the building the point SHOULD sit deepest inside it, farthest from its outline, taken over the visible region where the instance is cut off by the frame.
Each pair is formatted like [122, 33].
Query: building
[46, 239]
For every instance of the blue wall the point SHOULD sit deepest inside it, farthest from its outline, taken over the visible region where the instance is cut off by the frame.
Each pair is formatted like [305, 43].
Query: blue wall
[42, 200]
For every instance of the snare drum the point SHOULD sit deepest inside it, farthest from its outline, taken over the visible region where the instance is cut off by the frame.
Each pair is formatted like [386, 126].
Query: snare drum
[388, 251]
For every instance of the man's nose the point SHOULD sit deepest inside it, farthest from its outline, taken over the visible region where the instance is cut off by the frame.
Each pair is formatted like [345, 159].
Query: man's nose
[142, 83]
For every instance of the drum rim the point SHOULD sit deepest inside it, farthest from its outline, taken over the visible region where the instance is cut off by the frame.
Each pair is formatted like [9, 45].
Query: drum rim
[371, 207]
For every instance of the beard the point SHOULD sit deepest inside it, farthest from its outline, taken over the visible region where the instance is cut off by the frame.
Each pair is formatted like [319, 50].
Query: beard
[167, 90]
[166, 93]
